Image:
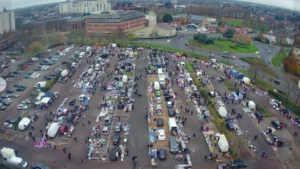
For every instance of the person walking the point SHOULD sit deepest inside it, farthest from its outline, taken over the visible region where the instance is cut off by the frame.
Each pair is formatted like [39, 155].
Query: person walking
[69, 156]
[64, 150]
[255, 137]
[194, 135]
[33, 138]
[75, 139]
[205, 157]
[296, 134]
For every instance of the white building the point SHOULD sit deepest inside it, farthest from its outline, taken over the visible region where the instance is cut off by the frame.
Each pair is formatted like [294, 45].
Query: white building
[84, 7]
[202, 30]
[271, 38]
[289, 41]
[7, 21]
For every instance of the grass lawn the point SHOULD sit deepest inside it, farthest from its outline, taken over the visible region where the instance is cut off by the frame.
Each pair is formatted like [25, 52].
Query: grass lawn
[260, 64]
[189, 67]
[264, 111]
[233, 21]
[225, 46]
[230, 86]
[278, 58]
[262, 83]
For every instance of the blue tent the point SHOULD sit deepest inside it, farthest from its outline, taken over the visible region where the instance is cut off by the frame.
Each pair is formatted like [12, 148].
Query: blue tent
[239, 76]
[86, 102]
[233, 72]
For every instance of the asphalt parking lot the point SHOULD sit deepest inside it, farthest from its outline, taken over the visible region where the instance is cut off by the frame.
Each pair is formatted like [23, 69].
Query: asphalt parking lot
[100, 112]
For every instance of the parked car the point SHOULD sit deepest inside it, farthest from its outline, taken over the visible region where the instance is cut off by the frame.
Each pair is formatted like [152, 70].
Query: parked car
[239, 164]
[22, 107]
[276, 124]
[10, 91]
[72, 102]
[20, 89]
[39, 166]
[160, 122]
[171, 112]
[13, 96]
[27, 101]
[2, 107]
[161, 134]
[259, 116]
[162, 154]
[118, 128]
[230, 126]
[116, 139]
[113, 153]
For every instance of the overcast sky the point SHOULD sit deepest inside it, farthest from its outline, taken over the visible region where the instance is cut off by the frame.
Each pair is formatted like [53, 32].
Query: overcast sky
[289, 4]
[12, 4]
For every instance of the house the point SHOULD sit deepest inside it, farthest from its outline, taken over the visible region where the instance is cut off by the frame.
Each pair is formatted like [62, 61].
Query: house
[296, 51]
[289, 41]
[196, 19]
[192, 27]
[176, 24]
[178, 16]
[211, 29]
[202, 30]
[222, 30]
[179, 7]
[270, 37]
[237, 30]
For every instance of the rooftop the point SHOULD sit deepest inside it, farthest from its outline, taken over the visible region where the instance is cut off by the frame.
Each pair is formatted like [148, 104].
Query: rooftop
[197, 18]
[120, 16]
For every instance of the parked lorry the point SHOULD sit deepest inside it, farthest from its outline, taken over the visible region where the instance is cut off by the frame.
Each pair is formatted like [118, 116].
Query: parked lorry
[222, 143]
[10, 156]
[53, 129]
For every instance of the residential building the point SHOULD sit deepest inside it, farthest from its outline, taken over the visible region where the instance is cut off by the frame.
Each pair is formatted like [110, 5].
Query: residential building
[202, 29]
[155, 30]
[289, 41]
[192, 27]
[7, 21]
[179, 7]
[124, 21]
[95, 6]
[196, 19]
[270, 37]
[211, 29]
[178, 16]
[127, 5]
[296, 51]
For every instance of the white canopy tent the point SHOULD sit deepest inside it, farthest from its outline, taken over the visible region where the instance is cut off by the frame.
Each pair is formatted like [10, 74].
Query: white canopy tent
[45, 100]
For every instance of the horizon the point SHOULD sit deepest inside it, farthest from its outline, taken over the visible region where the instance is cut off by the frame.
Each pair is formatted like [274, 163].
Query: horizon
[17, 4]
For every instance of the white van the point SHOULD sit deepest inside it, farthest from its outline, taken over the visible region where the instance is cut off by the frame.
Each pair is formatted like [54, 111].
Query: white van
[124, 78]
[156, 85]
[173, 126]
[24, 123]
[53, 129]
[182, 64]
[17, 161]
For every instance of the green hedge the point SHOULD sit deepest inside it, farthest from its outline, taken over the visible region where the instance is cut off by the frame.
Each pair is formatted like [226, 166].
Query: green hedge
[230, 86]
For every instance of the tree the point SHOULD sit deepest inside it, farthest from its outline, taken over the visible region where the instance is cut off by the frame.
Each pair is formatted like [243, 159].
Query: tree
[183, 20]
[99, 34]
[168, 5]
[260, 37]
[36, 47]
[290, 64]
[72, 36]
[131, 37]
[203, 38]
[242, 39]
[167, 18]
[58, 37]
[229, 33]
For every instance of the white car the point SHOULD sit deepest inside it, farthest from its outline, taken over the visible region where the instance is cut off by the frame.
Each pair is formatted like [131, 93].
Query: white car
[12, 61]
[8, 100]
[27, 101]
[22, 107]
[161, 134]
[158, 100]
[205, 112]
[44, 67]
[35, 75]
[34, 59]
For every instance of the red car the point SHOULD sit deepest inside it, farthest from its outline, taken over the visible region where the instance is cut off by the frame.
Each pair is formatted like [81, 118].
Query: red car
[26, 66]
[63, 129]
[65, 112]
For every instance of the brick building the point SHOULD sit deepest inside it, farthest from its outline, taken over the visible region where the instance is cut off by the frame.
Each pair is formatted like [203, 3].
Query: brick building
[125, 21]
[76, 24]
